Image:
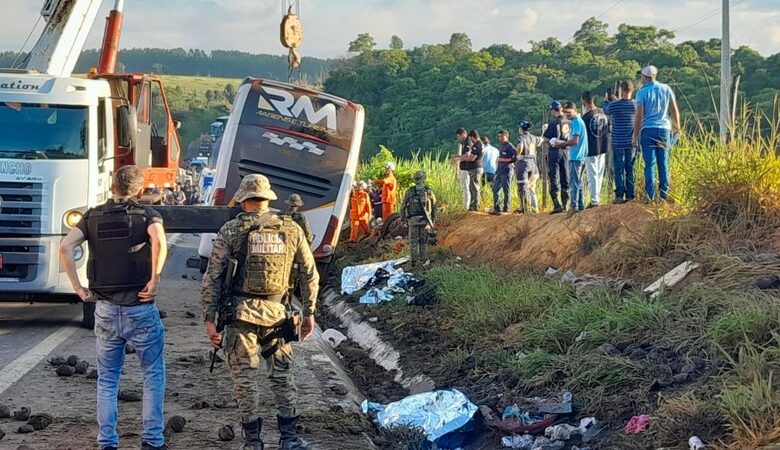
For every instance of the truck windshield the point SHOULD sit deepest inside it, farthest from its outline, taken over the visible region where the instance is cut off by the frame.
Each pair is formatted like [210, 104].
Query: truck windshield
[38, 131]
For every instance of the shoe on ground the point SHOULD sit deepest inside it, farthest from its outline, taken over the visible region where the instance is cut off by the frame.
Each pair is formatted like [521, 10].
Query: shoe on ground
[148, 446]
[618, 201]
[593, 205]
[495, 212]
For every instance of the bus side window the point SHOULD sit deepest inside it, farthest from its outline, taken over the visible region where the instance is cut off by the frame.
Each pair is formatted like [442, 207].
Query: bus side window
[102, 143]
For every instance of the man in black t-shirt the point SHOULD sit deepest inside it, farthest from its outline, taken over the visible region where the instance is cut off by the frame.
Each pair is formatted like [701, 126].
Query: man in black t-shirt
[469, 161]
[127, 251]
[558, 158]
[597, 127]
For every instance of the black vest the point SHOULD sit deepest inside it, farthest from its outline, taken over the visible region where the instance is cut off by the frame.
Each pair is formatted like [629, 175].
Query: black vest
[120, 254]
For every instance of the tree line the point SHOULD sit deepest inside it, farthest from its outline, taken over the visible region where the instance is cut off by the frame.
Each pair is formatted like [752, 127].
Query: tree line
[416, 98]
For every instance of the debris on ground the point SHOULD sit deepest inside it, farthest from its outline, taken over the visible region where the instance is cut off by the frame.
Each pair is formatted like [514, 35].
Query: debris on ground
[163, 314]
[670, 279]
[65, 370]
[129, 396]
[768, 282]
[129, 348]
[176, 424]
[436, 413]
[25, 429]
[40, 421]
[523, 441]
[22, 414]
[637, 424]
[58, 361]
[5, 412]
[2, 434]
[355, 278]
[201, 404]
[333, 337]
[81, 367]
[529, 415]
[694, 443]
[73, 360]
[190, 314]
[92, 375]
[226, 433]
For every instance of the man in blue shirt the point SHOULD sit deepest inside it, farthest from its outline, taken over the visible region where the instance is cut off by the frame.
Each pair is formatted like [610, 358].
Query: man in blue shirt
[506, 158]
[652, 129]
[578, 151]
[623, 112]
[489, 158]
[557, 158]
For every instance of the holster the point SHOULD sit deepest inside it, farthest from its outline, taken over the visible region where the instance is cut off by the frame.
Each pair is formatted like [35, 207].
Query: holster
[287, 330]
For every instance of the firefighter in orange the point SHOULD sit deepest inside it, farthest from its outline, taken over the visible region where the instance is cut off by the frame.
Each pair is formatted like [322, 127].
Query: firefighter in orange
[389, 190]
[359, 212]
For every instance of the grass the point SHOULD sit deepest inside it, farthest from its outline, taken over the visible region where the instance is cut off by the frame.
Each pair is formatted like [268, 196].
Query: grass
[199, 85]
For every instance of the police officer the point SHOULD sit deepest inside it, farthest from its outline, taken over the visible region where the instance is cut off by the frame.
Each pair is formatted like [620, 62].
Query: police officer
[294, 202]
[265, 246]
[558, 158]
[127, 251]
[526, 169]
[419, 209]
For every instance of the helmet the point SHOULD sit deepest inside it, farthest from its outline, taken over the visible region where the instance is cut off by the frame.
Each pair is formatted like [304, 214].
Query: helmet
[254, 186]
[556, 105]
[524, 125]
[419, 176]
[390, 165]
[294, 200]
[362, 185]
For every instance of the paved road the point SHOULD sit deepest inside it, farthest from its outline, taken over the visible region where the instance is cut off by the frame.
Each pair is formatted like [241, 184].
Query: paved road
[30, 334]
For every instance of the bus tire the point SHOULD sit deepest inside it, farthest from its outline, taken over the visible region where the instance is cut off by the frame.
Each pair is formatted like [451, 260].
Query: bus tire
[387, 225]
[88, 319]
[204, 264]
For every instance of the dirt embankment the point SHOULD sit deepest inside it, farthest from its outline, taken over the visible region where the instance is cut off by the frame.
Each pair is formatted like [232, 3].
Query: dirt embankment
[565, 240]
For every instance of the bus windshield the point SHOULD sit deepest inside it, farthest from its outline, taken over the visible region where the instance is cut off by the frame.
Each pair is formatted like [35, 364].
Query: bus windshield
[39, 131]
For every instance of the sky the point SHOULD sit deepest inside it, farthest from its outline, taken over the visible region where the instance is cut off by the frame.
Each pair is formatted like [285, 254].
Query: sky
[329, 25]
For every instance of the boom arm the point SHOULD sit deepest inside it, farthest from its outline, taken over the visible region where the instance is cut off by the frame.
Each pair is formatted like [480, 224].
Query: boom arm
[68, 23]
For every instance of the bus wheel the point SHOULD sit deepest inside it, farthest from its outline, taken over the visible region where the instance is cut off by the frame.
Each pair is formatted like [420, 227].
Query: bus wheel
[204, 263]
[88, 320]
[388, 224]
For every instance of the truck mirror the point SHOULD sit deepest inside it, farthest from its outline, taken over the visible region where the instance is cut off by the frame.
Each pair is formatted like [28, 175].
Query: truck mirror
[127, 126]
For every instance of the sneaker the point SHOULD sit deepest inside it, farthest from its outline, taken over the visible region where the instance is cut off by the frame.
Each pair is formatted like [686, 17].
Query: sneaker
[618, 201]
[592, 205]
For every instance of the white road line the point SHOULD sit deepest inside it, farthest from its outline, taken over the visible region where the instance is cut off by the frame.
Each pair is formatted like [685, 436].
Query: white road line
[11, 373]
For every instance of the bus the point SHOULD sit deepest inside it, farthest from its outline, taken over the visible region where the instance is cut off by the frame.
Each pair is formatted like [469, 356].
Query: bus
[306, 142]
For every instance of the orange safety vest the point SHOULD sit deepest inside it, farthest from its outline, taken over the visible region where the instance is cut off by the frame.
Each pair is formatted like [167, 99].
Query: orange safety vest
[360, 206]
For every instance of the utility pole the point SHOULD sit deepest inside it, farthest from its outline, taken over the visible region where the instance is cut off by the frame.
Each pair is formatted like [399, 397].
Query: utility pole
[725, 75]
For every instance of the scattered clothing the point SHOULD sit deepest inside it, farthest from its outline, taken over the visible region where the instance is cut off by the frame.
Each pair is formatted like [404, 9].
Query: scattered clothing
[637, 424]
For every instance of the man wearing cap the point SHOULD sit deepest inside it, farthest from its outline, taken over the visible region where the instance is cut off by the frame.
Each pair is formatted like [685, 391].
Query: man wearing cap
[294, 203]
[507, 155]
[265, 246]
[527, 172]
[359, 212]
[389, 190]
[419, 210]
[558, 157]
[652, 129]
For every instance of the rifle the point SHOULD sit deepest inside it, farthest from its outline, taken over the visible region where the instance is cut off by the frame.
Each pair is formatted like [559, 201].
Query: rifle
[226, 310]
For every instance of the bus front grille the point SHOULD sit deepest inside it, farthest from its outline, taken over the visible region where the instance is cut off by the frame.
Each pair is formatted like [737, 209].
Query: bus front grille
[288, 179]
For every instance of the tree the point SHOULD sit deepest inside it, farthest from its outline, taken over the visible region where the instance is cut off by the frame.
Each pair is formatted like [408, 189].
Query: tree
[157, 68]
[230, 92]
[396, 43]
[593, 35]
[460, 41]
[362, 44]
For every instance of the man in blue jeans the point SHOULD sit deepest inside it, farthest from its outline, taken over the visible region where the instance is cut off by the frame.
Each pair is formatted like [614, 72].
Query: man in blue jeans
[623, 112]
[127, 251]
[652, 129]
[578, 151]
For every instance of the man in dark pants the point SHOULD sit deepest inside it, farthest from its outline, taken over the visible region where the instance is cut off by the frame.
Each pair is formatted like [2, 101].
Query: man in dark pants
[507, 155]
[558, 158]
[127, 251]
[469, 161]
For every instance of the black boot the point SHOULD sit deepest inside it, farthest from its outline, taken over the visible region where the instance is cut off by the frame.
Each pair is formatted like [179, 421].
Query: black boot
[252, 431]
[288, 434]
[564, 199]
[556, 206]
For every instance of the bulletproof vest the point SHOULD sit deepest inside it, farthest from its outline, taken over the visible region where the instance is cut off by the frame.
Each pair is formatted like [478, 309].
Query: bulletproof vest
[420, 202]
[120, 255]
[267, 253]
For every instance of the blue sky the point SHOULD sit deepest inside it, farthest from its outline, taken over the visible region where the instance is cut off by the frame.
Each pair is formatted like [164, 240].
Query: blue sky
[252, 25]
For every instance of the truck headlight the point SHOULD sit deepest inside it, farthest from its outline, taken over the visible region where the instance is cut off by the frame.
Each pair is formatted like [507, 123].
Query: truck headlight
[78, 253]
[72, 218]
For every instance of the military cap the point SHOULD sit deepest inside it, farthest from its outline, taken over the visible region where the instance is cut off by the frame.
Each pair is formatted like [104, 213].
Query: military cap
[254, 186]
[419, 175]
[294, 200]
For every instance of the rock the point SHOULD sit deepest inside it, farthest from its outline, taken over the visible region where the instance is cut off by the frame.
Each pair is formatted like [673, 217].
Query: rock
[190, 314]
[58, 361]
[129, 396]
[339, 389]
[333, 337]
[22, 414]
[226, 433]
[607, 349]
[768, 282]
[680, 378]
[193, 324]
[188, 385]
[163, 314]
[176, 423]
[73, 360]
[92, 375]
[81, 367]
[5, 412]
[184, 276]
[2, 434]
[25, 429]
[65, 371]
[638, 354]
[129, 348]
[200, 405]
[40, 421]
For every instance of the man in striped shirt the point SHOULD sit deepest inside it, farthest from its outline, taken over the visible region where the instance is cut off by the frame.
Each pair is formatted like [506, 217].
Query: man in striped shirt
[623, 112]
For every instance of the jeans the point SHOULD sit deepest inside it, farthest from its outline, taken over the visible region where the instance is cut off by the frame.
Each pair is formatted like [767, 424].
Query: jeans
[115, 326]
[558, 172]
[470, 182]
[487, 178]
[576, 172]
[594, 167]
[501, 183]
[655, 149]
[625, 178]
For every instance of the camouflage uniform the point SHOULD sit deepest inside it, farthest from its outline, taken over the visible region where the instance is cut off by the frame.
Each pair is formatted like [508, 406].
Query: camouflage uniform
[257, 317]
[294, 201]
[419, 201]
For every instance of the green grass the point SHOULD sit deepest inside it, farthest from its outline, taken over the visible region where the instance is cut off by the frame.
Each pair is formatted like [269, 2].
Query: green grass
[198, 84]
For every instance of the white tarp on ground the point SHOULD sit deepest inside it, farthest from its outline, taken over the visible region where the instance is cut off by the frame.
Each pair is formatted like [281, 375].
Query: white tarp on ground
[354, 278]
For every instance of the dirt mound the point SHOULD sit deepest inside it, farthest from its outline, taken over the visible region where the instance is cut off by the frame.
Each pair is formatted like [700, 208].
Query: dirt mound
[568, 241]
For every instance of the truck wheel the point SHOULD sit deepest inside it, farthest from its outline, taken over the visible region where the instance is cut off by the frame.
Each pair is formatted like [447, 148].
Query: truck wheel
[88, 320]
[204, 263]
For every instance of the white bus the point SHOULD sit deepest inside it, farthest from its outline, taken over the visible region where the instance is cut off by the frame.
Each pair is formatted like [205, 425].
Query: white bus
[305, 142]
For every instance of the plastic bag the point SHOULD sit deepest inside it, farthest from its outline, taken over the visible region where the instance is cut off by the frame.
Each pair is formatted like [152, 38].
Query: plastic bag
[354, 278]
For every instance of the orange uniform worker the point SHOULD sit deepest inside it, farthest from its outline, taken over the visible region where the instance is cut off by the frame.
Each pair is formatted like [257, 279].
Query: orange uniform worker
[389, 190]
[359, 212]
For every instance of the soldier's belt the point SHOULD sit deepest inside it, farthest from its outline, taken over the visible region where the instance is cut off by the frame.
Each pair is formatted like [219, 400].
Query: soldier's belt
[278, 298]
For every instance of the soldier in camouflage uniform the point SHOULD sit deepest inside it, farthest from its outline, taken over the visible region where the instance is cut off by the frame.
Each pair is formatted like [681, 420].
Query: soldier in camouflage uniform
[294, 203]
[265, 246]
[418, 209]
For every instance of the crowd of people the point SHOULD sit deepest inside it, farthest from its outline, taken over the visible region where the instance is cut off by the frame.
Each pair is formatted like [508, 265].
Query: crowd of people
[577, 148]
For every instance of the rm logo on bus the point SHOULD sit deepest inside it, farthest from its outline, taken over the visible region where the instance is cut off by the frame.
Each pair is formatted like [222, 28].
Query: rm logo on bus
[284, 103]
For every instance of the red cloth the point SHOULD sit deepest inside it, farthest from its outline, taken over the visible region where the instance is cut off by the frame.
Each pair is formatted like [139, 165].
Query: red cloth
[637, 424]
